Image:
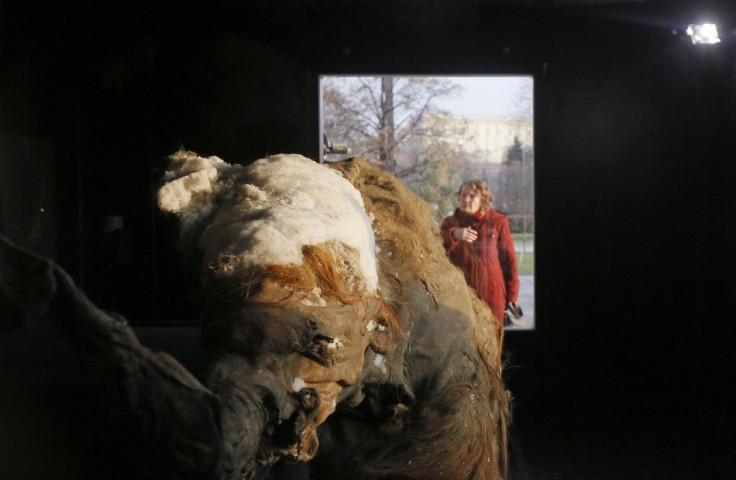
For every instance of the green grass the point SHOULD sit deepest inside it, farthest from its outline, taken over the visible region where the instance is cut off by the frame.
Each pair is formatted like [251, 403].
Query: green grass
[526, 264]
[518, 237]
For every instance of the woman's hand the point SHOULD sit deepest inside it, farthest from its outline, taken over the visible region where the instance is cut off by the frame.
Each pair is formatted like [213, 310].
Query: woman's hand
[464, 235]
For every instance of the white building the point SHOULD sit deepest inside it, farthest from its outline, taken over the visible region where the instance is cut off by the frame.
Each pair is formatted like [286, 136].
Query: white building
[487, 138]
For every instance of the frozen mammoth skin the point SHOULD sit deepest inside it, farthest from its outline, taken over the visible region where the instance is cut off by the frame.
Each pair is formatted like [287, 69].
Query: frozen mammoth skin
[440, 409]
[309, 360]
[400, 381]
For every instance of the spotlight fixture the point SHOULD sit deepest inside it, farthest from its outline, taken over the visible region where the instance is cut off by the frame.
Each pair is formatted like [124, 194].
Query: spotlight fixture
[705, 33]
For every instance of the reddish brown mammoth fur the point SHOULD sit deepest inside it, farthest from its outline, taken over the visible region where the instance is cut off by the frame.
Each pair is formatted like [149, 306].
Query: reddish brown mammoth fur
[453, 414]
[440, 409]
[399, 378]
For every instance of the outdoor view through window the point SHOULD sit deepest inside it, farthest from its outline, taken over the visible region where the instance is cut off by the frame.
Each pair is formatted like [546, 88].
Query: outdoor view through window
[434, 132]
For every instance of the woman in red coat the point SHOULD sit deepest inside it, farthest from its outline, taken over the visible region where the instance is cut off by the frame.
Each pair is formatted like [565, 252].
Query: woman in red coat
[478, 239]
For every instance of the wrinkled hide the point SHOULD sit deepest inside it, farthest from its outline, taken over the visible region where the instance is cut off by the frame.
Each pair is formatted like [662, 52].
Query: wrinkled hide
[159, 416]
[442, 409]
[308, 360]
[408, 380]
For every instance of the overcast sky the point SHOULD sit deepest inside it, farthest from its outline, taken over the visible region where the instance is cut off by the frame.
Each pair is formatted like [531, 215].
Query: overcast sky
[490, 95]
[496, 95]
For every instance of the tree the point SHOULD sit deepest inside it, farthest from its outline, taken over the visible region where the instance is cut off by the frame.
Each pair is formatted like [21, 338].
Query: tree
[379, 116]
[516, 188]
[394, 123]
[514, 153]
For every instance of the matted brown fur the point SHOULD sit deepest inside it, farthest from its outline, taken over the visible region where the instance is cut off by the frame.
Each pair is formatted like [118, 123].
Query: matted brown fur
[323, 267]
[460, 432]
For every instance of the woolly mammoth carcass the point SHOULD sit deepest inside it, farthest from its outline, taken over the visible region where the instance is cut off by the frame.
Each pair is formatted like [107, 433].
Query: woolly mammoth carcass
[329, 309]
[336, 332]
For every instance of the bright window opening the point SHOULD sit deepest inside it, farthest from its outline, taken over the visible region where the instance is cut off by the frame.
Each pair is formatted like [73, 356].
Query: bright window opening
[434, 132]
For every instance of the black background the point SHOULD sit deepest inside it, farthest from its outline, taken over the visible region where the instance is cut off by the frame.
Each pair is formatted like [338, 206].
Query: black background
[634, 160]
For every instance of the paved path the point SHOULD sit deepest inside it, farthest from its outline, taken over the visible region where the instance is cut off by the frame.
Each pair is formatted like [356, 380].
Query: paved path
[526, 300]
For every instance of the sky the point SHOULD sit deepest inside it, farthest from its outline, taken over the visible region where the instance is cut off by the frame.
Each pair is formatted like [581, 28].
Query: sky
[490, 95]
[493, 95]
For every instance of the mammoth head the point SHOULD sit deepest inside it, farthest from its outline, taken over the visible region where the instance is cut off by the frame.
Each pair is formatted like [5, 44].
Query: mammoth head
[291, 310]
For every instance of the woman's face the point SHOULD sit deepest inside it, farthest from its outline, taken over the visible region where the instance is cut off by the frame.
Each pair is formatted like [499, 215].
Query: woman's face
[469, 200]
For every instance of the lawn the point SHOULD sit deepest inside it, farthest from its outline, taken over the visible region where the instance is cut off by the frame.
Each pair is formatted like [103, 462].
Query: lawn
[526, 263]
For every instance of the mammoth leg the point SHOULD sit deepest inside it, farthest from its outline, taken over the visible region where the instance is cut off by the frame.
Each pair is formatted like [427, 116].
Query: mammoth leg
[157, 402]
[162, 419]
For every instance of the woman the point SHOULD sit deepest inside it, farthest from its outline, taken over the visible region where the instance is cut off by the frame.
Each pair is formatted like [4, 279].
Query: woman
[478, 239]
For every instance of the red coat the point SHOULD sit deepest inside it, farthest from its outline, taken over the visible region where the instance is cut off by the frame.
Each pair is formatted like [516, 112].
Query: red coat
[489, 263]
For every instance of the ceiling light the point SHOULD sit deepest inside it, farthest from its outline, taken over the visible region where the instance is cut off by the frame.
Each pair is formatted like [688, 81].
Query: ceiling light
[705, 33]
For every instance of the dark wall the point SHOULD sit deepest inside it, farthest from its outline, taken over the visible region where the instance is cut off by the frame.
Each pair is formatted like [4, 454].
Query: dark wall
[634, 210]
[634, 154]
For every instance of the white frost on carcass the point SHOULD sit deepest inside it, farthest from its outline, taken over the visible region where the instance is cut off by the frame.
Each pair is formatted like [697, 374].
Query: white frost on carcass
[380, 362]
[191, 182]
[297, 384]
[335, 343]
[371, 326]
[265, 212]
[315, 298]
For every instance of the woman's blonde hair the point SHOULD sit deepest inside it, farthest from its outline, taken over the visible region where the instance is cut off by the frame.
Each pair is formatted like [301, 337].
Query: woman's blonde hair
[486, 197]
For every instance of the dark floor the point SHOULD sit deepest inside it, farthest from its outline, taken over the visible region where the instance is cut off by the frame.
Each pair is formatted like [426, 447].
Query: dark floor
[624, 448]
[45, 430]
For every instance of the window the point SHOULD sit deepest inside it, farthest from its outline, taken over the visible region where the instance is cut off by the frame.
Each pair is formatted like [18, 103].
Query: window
[434, 132]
